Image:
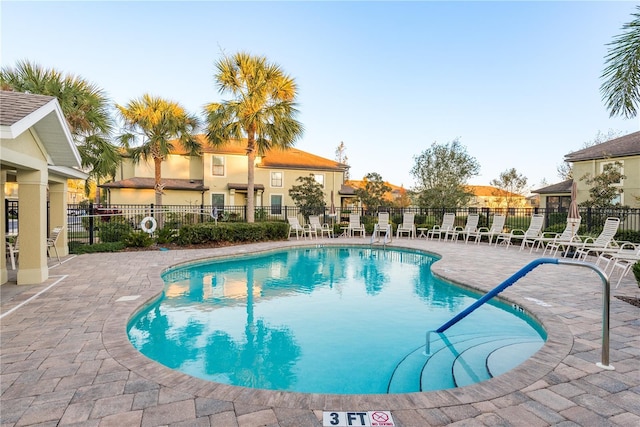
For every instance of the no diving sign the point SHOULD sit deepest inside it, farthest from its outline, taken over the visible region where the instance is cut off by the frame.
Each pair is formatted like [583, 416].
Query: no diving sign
[359, 419]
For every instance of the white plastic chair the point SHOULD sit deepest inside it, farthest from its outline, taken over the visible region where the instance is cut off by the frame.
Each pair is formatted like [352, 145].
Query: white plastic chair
[355, 226]
[52, 240]
[383, 226]
[470, 227]
[407, 225]
[322, 229]
[12, 250]
[532, 232]
[447, 224]
[496, 228]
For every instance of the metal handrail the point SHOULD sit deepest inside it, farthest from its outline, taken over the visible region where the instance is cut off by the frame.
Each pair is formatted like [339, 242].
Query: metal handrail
[604, 363]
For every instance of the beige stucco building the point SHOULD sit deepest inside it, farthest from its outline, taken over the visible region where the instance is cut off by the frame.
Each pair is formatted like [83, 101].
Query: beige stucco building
[38, 153]
[218, 177]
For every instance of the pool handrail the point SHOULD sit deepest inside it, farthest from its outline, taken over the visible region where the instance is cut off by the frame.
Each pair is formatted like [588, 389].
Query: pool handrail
[604, 363]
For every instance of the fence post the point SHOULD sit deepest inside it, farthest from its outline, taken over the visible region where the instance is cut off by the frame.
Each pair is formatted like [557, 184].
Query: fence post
[91, 222]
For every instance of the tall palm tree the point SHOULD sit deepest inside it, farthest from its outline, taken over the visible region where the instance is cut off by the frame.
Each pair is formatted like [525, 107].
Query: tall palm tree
[262, 110]
[151, 125]
[621, 88]
[84, 105]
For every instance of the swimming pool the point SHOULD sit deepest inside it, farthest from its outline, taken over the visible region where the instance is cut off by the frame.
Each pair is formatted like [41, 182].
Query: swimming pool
[348, 320]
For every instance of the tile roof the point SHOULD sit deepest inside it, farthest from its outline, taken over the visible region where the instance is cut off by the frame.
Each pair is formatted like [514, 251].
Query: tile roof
[292, 158]
[15, 106]
[149, 183]
[489, 191]
[560, 187]
[628, 145]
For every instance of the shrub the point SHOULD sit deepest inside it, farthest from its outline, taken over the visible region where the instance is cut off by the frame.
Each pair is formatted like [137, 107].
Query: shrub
[636, 272]
[114, 230]
[166, 234]
[628, 236]
[81, 248]
[138, 239]
[231, 232]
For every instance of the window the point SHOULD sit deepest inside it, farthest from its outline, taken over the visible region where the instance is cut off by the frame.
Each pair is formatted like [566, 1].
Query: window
[276, 204]
[217, 165]
[217, 201]
[319, 179]
[276, 179]
[620, 167]
[559, 203]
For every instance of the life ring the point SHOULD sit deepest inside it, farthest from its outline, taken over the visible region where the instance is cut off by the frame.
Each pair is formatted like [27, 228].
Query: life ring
[145, 221]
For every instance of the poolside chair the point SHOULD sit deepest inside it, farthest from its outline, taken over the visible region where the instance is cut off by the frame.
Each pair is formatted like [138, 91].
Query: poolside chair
[447, 224]
[496, 228]
[12, 251]
[407, 225]
[52, 240]
[621, 260]
[355, 226]
[322, 229]
[470, 227]
[532, 232]
[569, 234]
[295, 227]
[382, 227]
[588, 245]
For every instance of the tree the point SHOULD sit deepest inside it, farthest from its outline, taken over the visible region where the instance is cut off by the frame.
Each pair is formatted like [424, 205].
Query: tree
[151, 125]
[603, 191]
[262, 111]
[620, 89]
[511, 186]
[565, 169]
[85, 107]
[372, 195]
[442, 172]
[308, 196]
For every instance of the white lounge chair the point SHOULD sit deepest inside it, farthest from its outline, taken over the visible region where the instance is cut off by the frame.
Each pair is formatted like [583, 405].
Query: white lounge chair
[407, 225]
[383, 226]
[320, 229]
[441, 230]
[496, 228]
[621, 259]
[355, 226]
[298, 229]
[588, 245]
[470, 227]
[570, 234]
[532, 232]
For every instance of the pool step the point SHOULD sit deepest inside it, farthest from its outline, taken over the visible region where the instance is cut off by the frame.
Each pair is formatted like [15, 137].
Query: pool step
[460, 360]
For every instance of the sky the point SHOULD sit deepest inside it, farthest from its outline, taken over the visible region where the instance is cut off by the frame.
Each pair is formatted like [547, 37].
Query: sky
[517, 83]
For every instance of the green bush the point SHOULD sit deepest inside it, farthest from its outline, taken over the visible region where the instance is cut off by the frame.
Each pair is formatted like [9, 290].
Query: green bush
[115, 230]
[81, 248]
[636, 272]
[628, 236]
[231, 232]
[138, 239]
[166, 235]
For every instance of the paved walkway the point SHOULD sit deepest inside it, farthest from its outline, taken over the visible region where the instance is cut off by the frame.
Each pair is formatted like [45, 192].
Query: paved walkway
[66, 360]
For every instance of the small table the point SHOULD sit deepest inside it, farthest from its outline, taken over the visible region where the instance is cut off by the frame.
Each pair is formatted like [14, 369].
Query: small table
[422, 231]
[345, 231]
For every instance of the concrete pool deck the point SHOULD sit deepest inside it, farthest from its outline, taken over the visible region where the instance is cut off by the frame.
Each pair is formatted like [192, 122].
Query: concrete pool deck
[66, 359]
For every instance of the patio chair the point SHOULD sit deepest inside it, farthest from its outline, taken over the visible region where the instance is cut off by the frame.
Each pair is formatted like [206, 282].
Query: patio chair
[570, 234]
[12, 251]
[297, 228]
[621, 259]
[532, 232]
[322, 229]
[588, 245]
[52, 240]
[355, 226]
[382, 227]
[496, 228]
[447, 224]
[470, 227]
[407, 225]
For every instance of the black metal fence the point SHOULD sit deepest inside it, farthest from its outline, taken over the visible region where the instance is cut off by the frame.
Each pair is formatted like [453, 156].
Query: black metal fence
[88, 223]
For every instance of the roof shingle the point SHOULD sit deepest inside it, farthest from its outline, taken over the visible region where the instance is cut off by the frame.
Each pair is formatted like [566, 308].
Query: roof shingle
[628, 145]
[15, 106]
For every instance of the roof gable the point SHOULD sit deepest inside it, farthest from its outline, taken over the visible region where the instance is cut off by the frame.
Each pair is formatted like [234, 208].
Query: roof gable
[624, 146]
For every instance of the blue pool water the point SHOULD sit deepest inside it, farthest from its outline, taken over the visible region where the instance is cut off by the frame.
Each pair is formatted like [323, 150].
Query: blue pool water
[348, 320]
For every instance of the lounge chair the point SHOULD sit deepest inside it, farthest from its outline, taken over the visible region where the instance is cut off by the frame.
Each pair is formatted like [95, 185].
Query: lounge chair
[496, 228]
[320, 229]
[12, 250]
[407, 225]
[570, 234]
[621, 259]
[298, 229]
[441, 230]
[53, 239]
[355, 226]
[588, 245]
[470, 227]
[383, 226]
[532, 232]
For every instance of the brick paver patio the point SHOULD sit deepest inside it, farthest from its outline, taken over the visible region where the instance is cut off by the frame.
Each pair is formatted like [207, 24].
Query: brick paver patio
[66, 360]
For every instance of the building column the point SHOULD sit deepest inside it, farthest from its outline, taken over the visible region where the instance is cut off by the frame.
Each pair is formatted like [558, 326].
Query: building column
[32, 217]
[259, 198]
[4, 274]
[58, 214]
[232, 197]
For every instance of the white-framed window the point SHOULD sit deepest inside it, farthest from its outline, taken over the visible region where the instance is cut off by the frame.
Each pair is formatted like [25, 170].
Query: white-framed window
[217, 166]
[620, 166]
[319, 178]
[276, 204]
[277, 179]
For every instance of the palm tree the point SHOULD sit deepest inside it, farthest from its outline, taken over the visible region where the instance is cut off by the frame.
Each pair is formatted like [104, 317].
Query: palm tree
[621, 88]
[84, 105]
[152, 124]
[262, 110]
